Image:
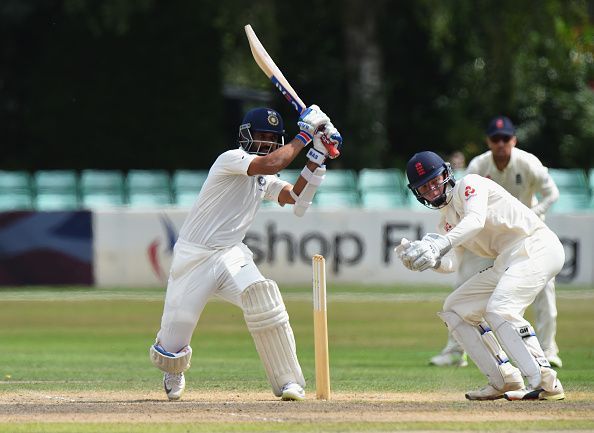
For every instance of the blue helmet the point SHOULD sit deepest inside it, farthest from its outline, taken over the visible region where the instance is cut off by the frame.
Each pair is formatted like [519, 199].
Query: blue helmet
[423, 167]
[261, 120]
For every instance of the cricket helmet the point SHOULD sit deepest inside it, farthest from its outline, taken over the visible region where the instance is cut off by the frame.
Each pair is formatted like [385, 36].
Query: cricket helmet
[261, 120]
[425, 166]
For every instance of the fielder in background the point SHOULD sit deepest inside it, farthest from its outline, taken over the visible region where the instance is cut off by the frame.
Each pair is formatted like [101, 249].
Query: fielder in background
[523, 176]
[211, 260]
[485, 314]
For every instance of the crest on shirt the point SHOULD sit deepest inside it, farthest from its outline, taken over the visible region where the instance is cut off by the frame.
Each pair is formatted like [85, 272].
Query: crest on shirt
[518, 179]
[469, 192]
[261, 182]
[447, 226]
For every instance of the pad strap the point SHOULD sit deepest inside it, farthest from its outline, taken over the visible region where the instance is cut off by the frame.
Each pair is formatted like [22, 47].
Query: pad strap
[521, 345]
[170, 362]
[478, 349]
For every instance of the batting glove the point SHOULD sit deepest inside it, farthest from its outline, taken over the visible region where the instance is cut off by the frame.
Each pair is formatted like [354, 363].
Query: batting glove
[331, 139]
[309, 122]
[318, 152]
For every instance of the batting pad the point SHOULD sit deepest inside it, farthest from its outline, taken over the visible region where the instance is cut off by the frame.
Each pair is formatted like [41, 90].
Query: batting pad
[268, 322]
[521, 345]
[170, 362]
[486, 359]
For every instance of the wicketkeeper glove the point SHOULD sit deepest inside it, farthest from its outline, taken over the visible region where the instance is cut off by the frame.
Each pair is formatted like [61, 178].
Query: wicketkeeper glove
[432, 248]
[400, 251]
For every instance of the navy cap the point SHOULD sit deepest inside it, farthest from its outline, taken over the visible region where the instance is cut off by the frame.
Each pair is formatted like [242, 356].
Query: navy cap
[501, 125]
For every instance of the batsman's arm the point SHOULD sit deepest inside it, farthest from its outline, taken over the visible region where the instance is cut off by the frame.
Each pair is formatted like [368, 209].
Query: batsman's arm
[285, 197]
[272, 71]
[277, 160]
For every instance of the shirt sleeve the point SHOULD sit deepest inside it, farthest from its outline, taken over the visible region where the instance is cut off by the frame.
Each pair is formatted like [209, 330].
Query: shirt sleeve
[473, 166]
[471, 203]
[275, 186]
[451, 261]
[234, 161]
[545, 185]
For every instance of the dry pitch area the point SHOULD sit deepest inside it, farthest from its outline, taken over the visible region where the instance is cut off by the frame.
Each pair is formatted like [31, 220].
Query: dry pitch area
[225, 407]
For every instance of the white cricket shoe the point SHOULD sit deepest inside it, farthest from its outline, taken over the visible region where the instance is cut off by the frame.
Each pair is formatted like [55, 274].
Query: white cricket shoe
[292, 391]
[449, 359]
[554, 360]
[513, 381]
[489, 392]
[550, 388]
[174, 384]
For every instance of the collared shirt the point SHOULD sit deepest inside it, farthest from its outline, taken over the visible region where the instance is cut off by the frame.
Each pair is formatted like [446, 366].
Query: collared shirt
[228, 201]
[523, 177]
[485, 219]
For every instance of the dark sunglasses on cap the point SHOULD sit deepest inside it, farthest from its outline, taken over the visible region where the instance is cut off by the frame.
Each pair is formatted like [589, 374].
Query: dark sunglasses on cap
[498, 138]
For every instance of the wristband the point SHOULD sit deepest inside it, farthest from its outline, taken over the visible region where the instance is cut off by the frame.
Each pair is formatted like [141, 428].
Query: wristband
[304, 137]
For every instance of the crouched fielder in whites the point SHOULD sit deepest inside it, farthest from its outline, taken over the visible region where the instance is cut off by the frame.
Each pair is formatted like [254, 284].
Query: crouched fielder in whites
[485, 314]
[523, 176]
[210, 259]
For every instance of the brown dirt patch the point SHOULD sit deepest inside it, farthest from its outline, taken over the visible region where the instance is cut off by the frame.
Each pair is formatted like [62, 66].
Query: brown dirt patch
[217, 406]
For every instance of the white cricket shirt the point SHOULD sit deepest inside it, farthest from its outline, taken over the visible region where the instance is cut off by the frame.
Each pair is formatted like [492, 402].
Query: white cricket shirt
[228, 202]
[523, 177]
[484, 218]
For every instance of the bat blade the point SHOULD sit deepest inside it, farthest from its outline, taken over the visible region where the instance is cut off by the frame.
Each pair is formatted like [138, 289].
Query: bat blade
[272, 71]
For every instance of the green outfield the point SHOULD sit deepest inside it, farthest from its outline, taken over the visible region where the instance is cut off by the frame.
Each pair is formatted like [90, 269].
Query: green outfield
[77, 360]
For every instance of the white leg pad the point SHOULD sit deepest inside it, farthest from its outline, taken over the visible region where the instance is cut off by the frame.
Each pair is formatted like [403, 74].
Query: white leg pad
[170, 362]
[492, 343]
[268, 322]
[484, 351]
[522, 345]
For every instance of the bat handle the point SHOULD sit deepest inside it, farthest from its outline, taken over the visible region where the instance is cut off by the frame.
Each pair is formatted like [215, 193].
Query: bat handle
[333, 152]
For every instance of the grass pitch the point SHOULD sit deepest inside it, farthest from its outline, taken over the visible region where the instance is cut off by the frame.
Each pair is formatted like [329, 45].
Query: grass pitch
[76, 359]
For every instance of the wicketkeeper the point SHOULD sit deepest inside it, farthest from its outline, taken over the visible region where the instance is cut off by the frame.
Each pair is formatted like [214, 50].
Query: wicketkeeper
[211, 260]
[523, 176]
[485, 314]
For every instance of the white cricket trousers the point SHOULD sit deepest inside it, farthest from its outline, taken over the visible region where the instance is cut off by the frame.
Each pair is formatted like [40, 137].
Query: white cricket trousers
[513, 282]
[544, 305]
[198, 274]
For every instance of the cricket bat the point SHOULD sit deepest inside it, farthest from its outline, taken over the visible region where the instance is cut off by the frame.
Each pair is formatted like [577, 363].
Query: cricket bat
[272, 71]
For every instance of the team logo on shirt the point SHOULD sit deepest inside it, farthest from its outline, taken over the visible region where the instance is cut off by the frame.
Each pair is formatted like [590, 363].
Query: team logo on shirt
[469, 192]
[447, 226]
[261, 182]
